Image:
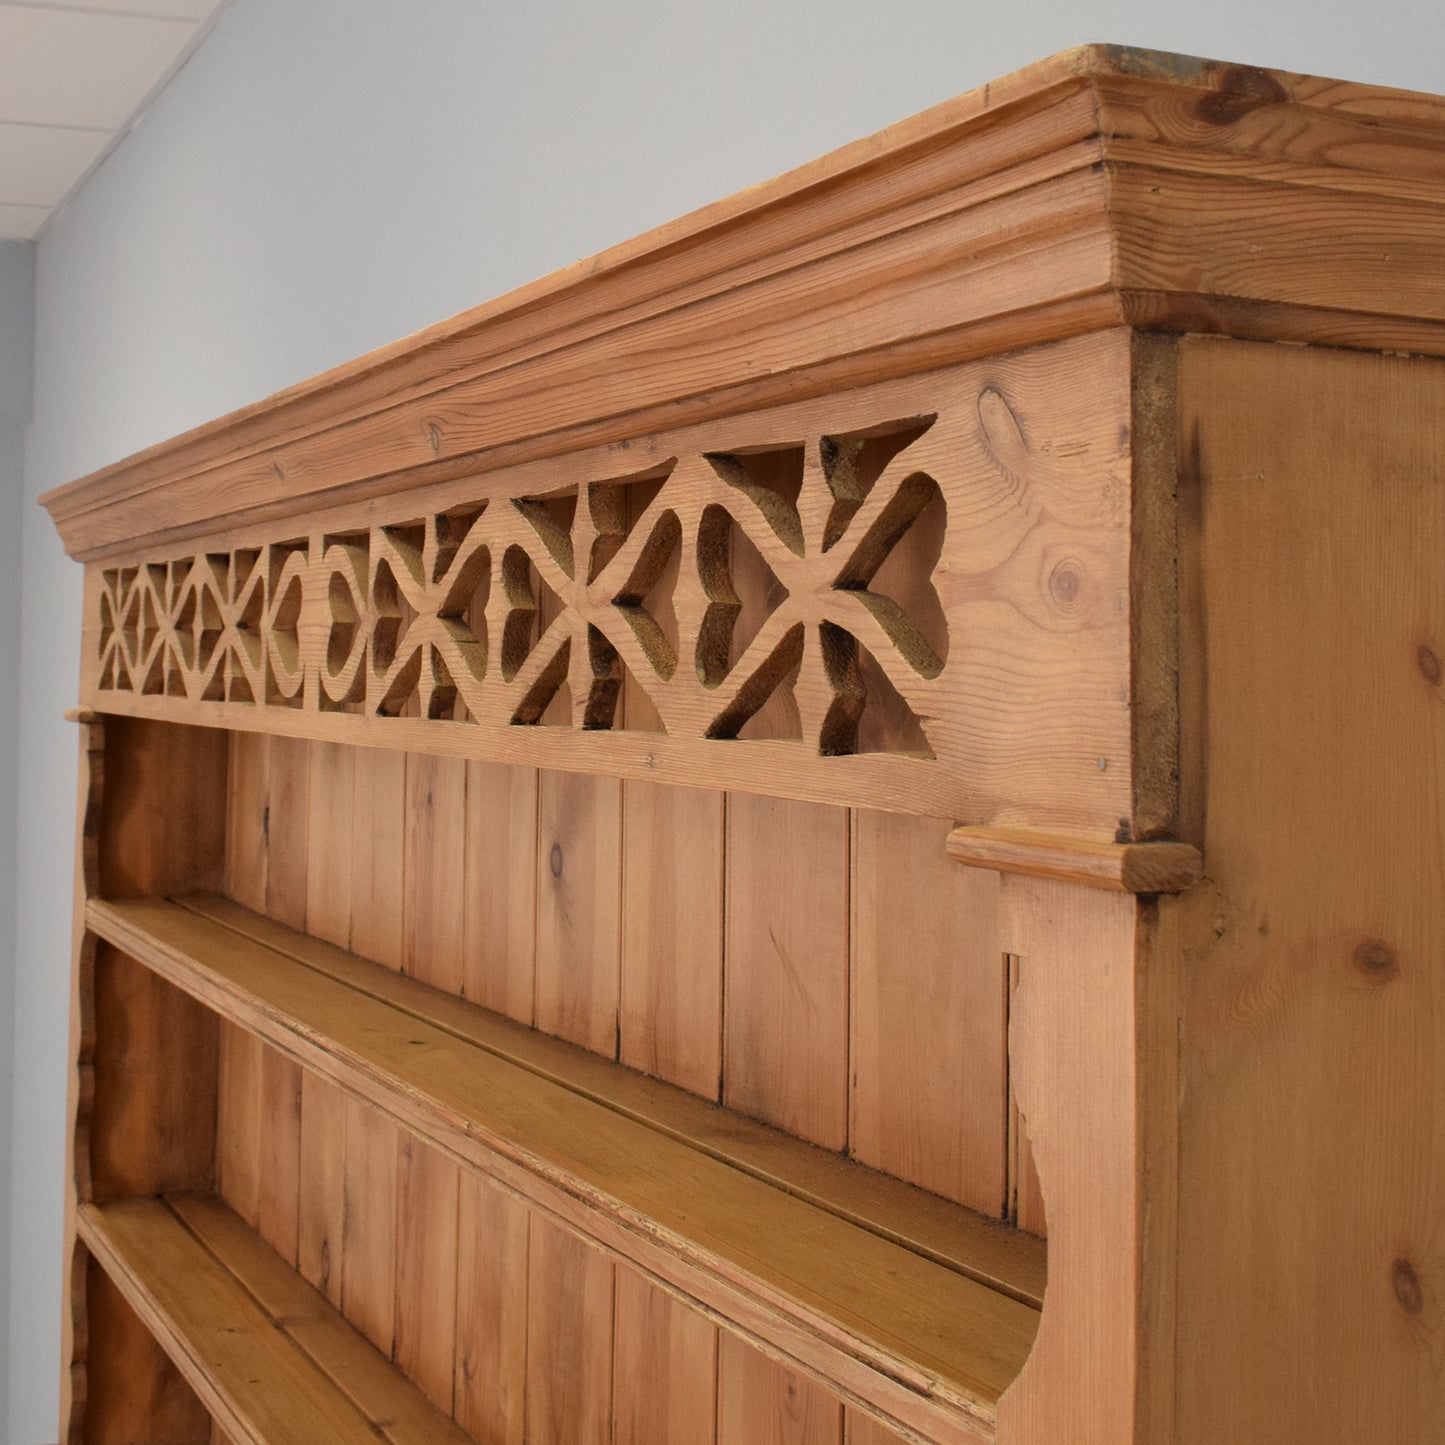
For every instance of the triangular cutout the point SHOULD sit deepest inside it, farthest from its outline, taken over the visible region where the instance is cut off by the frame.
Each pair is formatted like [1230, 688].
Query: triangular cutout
[772, 479]
[891, 572]
[548, 701]
[646, 599]
[551, 519]
[742, 592]
[615, 508]
[531, 607]
[888, 723]
[749, 714]
[853, 462]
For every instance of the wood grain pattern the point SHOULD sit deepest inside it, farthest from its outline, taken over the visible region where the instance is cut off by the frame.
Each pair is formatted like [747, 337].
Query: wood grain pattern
[786, 1029]
[288, 790]
[331, 832]
[1123, 867]
[322, 1223]
[1313, 976]
[492, 1293]
[840, 235]
[368, 1246]
[845, 617]
[1086, 1025]
[278, 1205]
[395, 1407]
[500, 903]
[266, 1356]
[1025, 1196]
[246, 820]
[435, 869]
[377, 841]
[152, 1125]
[761, 1402]
[579, 884]
[160, 829]
[860, 1430]
[426, 1270]
[927, 988]
[672, 934]
[922, 1343]
[239, 1121]
[569, 1339]
[887, 1207]
[134, 1391]
[664, 1368]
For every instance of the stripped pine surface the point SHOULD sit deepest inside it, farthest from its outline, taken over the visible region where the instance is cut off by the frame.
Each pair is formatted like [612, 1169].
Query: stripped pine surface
[579, 870]
[569, 1339]
[428, 1194]
[671, 1007]
[761, 1402]
[499, 969]
[785, 1056]
[266, 1356]
[664, 1367]
[492, 1303]
[928, 986]
[658, 941]
[830, 1267]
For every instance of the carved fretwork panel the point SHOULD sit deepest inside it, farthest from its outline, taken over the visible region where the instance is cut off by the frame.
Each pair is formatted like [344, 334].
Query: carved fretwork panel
[926, 581]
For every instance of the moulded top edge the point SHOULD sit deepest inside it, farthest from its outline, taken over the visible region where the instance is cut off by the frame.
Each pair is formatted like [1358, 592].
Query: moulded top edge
[1028, 165]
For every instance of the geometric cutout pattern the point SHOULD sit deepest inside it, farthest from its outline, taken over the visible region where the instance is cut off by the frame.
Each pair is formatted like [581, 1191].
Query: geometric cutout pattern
[782, 592]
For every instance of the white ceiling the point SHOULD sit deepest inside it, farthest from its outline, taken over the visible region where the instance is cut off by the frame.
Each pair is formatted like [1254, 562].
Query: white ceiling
[73, 78]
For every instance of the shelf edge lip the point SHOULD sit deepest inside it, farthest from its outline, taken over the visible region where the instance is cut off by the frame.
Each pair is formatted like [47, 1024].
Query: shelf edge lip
[818, 1343]
[1139, 868]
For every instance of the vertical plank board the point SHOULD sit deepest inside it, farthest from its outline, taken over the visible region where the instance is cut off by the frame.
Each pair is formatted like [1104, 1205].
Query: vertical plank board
[434, 870]
[426, 1269]
[664, 1368]
[1312, 1053]
[672, 934]
[278, 1202]
[860, 1430]
[786, 1026]
[929, 1049]
[246, 800]
[330, 822]
[377, 846]
[579, 896]
[1026, 1197]
[492, 1288]
[368, 1240]
[1086, 1021]
[761, 1402]
[287, 845]
[500, 944]
[569, 1339]
[134, 1392]
[323, 1185]
[239, 1111]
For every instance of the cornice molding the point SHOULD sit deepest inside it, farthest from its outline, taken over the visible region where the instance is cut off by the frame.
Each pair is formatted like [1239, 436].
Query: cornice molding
[1099, 188]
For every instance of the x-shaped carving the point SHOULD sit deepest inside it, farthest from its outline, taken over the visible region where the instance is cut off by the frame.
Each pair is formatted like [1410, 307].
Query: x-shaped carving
[423, 642]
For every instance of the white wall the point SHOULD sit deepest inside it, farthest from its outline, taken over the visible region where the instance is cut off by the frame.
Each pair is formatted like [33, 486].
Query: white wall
[328, 174]
[17, 317]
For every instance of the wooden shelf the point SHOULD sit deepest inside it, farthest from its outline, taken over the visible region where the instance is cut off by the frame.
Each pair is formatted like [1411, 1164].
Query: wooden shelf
[918, 1308]
[272, 1361]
